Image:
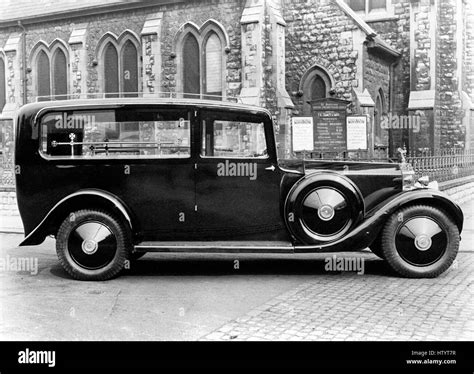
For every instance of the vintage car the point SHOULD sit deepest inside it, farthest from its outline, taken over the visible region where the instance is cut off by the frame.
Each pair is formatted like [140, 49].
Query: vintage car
[112, 179]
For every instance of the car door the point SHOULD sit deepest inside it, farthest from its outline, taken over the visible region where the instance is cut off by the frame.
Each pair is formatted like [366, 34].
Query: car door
[237, 182]
[161, 185]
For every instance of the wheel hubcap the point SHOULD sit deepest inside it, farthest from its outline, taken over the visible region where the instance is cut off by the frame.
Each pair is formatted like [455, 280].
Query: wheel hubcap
[326, 212]
[89, 246]
[326, 215]
[92, 245]
[421, 241]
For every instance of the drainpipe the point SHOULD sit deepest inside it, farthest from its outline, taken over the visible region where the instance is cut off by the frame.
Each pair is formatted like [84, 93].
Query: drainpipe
[23, 62]
[393, 65]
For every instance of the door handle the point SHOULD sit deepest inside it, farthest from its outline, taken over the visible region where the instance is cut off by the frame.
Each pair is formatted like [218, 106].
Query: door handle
[65, 166]
[271, 168]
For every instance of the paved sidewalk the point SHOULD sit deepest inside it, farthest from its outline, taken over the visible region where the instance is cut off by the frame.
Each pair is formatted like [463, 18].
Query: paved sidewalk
[347, 306]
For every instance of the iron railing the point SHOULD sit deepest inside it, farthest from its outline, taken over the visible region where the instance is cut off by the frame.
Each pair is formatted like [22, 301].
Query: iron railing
[443, 165]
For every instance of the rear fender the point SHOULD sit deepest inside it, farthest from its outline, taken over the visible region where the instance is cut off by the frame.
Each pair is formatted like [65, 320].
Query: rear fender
[90, 198]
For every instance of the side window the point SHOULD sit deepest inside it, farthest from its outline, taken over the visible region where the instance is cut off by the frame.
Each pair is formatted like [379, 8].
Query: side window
[116, 133]
[233, 138]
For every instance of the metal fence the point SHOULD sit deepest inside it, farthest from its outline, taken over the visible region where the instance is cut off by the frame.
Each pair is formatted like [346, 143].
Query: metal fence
[444, 165]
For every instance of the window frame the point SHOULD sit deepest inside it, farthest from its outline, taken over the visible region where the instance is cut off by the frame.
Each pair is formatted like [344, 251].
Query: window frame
[119, 44]
[52, 62]
[45, 111]
[201, 34]
[306, 85]
[204, 68]
[376, 14]
[215, 116]
[50, 52]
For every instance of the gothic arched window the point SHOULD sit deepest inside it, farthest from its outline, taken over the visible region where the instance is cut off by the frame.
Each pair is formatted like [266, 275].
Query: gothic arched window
[59, 75]
[318, 88]
[111, 77]
[191, 66]
[43, 71]
[129, 71]
[119, 65]
[213, 65]
[201, 60]
[50, 71]
[315, 85]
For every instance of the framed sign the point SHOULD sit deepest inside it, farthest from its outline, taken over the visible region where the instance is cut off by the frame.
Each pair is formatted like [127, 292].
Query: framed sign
[329, 124]
[302, 130]
[356, 133]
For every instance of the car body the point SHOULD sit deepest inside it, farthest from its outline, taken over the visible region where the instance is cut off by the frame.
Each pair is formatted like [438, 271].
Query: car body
[202, 175]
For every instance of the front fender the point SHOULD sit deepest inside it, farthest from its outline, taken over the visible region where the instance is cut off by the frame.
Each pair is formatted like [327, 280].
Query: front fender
[421, 196]
[365, 233]
[73, 201]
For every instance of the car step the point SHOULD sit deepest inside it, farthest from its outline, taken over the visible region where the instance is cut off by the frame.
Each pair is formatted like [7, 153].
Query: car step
[216, 247]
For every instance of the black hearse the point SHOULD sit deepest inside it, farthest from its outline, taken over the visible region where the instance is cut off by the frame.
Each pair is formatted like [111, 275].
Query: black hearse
[112, 179]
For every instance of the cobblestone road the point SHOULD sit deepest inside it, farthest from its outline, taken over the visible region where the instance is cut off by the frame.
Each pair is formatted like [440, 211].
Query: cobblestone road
[347, 306]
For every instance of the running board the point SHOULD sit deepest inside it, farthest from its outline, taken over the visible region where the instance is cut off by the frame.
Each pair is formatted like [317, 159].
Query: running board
[217, 247]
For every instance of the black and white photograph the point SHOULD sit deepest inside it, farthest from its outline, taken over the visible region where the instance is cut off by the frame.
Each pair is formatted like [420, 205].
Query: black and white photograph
[227, 171]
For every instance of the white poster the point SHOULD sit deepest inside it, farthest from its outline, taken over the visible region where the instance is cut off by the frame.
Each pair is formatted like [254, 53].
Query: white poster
[356, 132]
[303, 137]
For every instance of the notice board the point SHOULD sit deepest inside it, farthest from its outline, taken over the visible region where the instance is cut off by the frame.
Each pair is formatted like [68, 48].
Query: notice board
[303, 133]
[356, 133]
[329, 117]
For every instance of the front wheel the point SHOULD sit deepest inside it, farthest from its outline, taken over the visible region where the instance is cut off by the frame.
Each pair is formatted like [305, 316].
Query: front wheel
[420, 241]
[93, 245]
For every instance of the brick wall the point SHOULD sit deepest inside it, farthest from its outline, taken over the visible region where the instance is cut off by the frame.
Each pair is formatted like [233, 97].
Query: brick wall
[226, 12]
[421, 63]
[376, 76]
[448, 113]
[319, 34]
[468, 42]
[397, 33]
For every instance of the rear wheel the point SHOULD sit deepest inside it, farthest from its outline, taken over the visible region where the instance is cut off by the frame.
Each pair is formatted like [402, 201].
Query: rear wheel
[93, 245]
[420, 241]
[376, 247]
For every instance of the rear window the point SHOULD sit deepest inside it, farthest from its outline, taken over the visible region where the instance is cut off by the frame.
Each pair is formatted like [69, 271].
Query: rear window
[116, 133]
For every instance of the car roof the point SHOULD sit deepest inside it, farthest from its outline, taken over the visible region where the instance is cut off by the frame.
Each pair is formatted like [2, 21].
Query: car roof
[201, 103]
